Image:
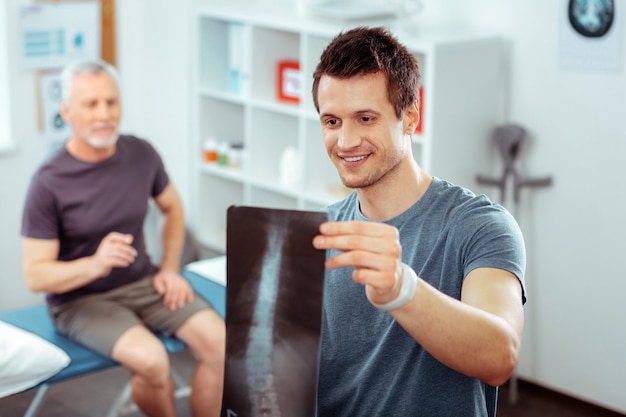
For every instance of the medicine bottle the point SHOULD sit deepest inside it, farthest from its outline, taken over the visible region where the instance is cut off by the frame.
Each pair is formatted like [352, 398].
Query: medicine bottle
[235, 155]
[210, 150]
[222, 153]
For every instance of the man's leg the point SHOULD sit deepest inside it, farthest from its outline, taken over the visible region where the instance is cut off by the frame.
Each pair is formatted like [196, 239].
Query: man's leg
[145, 356]
[205, 334]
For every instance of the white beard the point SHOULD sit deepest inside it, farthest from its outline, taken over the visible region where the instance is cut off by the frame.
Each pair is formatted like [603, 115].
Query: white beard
[100, 143]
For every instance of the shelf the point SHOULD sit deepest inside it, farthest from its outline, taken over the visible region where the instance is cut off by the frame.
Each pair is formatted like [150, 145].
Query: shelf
[225, 96]
[272, 198]
[271, 133]
[213, 169]
[270, 47]
[214, 55]
[237, 47]
[276, 107]
[220, 119]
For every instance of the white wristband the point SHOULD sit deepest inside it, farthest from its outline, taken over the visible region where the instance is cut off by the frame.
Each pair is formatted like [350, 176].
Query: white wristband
[407, 290]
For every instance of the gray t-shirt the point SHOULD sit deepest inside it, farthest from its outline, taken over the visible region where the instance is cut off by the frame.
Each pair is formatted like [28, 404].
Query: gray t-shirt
[369, 365]
[79, 203]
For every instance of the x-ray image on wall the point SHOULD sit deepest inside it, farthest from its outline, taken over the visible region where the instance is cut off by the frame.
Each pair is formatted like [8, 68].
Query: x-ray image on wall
[54, 129]
[274, 293]
[590, 35]
[591, 18]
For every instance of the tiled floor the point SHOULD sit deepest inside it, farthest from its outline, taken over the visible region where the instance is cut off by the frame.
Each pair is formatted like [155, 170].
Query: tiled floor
[91, 396]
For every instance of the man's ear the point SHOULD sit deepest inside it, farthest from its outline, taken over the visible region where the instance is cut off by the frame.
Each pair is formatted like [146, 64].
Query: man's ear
[411, 118]
[65, 112]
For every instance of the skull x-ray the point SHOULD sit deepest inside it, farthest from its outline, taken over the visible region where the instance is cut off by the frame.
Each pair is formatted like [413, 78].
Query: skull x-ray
[274, 293]
[591, 18]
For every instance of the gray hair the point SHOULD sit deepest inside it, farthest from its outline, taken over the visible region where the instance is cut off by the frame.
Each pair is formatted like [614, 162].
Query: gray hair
[85, 66]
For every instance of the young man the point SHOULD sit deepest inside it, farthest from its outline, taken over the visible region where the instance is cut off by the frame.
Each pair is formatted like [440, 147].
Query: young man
[424, 289]
[83, 245]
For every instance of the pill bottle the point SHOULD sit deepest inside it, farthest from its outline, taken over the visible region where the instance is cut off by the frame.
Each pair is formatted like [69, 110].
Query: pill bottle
[209, 150]
[235, 155]
[222, 153]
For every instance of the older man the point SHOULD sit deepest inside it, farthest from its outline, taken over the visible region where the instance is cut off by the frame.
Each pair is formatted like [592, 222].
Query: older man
[83, 245]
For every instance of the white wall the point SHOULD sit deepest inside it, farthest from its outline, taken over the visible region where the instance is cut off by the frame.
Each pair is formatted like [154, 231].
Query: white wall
[15, 170]
[153, 57]
[574, 340]
[6, 142]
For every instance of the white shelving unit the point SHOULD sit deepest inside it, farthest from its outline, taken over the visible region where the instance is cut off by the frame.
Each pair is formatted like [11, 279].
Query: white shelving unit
[461, 79]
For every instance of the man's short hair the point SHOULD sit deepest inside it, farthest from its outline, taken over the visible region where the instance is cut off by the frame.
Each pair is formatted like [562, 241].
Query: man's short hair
[85, 66]
[363, 51]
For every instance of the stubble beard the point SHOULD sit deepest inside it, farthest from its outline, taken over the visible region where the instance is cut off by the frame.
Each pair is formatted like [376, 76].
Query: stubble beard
[379, 176]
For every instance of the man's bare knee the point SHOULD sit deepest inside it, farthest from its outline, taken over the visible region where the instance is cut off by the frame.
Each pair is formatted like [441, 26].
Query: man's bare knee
[205, 334]
[143, 354]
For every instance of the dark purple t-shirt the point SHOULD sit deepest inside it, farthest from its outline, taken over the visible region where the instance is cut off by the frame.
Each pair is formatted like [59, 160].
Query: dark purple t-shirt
[79, 203]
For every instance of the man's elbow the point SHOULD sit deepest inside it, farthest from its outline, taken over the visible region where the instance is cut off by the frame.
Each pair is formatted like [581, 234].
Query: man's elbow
[504, 367]
[33, 283]
[34, 286]
[501, 378]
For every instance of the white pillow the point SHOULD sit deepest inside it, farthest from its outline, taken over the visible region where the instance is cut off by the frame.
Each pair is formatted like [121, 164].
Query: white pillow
[26, 359]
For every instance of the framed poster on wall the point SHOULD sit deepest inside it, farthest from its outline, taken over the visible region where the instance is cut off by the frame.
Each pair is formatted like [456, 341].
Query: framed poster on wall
[590, 34]
[53, 34]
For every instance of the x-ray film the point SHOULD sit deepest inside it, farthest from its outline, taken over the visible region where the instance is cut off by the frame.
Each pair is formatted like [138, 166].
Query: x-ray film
[274, 290]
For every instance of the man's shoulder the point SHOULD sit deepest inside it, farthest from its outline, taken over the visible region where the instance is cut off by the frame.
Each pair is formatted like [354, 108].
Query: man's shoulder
[133, 141]
[56, 163]
[131, 144]
[466, 213]
[459, 199]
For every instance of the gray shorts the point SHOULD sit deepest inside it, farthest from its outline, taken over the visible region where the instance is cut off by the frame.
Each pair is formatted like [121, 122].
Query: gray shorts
[98, 320]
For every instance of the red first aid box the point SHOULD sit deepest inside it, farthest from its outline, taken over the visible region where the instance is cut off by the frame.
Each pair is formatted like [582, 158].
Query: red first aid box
[288, 81]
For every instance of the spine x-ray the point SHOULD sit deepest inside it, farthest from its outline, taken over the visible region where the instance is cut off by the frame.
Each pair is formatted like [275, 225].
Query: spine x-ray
[274, 293]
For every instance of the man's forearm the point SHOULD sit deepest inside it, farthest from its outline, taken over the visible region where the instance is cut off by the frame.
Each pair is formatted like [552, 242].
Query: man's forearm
[60, 276]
